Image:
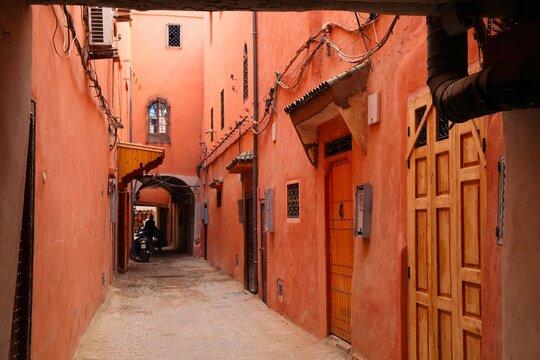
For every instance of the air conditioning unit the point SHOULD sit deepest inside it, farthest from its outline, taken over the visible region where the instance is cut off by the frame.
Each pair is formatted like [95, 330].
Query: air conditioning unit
[100, 21]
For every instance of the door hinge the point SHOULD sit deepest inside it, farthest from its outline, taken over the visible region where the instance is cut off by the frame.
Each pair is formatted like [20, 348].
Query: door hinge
[408, 272]
[484, 145]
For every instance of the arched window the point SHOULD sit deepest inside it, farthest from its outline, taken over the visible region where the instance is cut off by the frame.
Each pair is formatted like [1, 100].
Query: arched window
[246, 75]
[158, 121]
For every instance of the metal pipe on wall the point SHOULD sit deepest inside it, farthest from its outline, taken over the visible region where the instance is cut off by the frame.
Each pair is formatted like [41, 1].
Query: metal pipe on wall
[134, 182]
[255, 146]
[506, 85]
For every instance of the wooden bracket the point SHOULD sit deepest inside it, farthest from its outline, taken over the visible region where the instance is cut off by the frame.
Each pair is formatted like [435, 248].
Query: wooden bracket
[429, 106]
[478, 143]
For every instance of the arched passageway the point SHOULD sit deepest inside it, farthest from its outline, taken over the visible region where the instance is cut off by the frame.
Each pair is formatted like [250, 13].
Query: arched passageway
[174, 211]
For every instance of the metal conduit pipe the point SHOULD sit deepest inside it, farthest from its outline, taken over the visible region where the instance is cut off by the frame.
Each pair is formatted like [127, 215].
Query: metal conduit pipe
[504, 86]
[255, 287]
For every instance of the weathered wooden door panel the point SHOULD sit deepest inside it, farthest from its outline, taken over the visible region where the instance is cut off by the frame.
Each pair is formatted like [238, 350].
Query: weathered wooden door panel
[445, 210]
[341, 246]
[251, 245]
[264, 256]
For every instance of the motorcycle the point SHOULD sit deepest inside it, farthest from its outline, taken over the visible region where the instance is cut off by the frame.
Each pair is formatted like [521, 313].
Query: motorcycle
[142, 248]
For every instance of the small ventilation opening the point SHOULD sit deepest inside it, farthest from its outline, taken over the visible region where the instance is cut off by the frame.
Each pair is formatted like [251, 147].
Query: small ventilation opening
[338, 146]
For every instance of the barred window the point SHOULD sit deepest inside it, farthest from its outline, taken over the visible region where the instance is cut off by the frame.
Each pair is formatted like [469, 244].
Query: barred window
[246, 77]
[443, 127]
[174, 35]
[338, 146]
[422, 137]
[293, 200]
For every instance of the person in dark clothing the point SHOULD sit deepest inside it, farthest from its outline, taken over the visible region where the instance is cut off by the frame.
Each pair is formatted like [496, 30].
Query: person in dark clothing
[151, 229]
[150, 225]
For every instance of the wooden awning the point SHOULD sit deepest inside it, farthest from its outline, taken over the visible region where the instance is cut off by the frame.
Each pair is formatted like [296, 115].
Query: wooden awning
[241, 164]
[135, 160]
[345, 95]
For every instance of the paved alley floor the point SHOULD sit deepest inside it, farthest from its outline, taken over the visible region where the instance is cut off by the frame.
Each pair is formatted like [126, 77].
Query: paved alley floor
[181, 308]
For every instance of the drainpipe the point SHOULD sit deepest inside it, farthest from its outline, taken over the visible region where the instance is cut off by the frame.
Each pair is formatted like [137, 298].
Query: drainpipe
[255, 147]
[134, 182]
[505, 85]
[130, 103]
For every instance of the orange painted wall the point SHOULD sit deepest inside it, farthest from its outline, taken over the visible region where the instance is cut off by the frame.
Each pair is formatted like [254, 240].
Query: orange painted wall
[225, 232]
[73, 246]
[297, 250]
[175, 74]
[154, 196]
[223, 70]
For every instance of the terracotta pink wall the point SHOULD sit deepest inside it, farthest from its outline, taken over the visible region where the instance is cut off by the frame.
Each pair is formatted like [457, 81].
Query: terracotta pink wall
[225, 232]
[172, 73]
[154, 196]
[73, 247]
[297, 251]
[15, 82]
[223, 70]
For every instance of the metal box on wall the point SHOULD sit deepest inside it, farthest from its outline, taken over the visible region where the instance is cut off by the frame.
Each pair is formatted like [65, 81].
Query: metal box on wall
[269, 210]
[362, 226]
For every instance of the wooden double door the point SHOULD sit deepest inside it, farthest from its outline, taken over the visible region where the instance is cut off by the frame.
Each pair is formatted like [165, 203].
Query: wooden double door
[446, 213]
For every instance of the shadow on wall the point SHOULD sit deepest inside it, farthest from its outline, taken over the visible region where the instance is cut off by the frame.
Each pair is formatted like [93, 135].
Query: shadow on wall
[521, 245]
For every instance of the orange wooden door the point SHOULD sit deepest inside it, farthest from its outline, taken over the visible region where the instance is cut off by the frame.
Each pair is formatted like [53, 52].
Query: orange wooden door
[341, 246]
[445, 221]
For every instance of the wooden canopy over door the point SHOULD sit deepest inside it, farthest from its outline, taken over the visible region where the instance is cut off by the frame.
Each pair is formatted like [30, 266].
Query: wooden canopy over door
[341, 246]
[446, 214]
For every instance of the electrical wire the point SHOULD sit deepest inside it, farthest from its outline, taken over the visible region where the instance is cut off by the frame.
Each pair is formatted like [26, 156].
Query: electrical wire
[114, 123]
[67, 50]
[324, 38]
[226, 138]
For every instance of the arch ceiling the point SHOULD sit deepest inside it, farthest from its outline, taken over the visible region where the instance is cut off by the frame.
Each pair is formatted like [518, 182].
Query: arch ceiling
[182, 188]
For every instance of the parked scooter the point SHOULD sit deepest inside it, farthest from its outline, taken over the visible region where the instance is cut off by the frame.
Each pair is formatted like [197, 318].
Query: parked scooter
[142, 248]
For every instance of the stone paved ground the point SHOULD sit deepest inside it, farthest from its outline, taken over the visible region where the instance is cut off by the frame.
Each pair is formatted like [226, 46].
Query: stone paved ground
[181, 308]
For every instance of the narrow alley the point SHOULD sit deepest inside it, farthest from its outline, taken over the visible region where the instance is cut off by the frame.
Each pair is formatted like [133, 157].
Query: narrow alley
[330, 179]
[179, 307]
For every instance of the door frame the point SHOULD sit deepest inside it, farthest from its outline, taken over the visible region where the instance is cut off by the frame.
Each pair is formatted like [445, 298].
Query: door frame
[328, 165]
[24, 295]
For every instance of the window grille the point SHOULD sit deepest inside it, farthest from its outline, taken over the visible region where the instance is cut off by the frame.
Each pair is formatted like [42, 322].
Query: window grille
[222, 109]
[422, 137]
[212, 125]
[443, 129]
[338, 146]
[293, 200]
[246, 78]
[174, 35]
